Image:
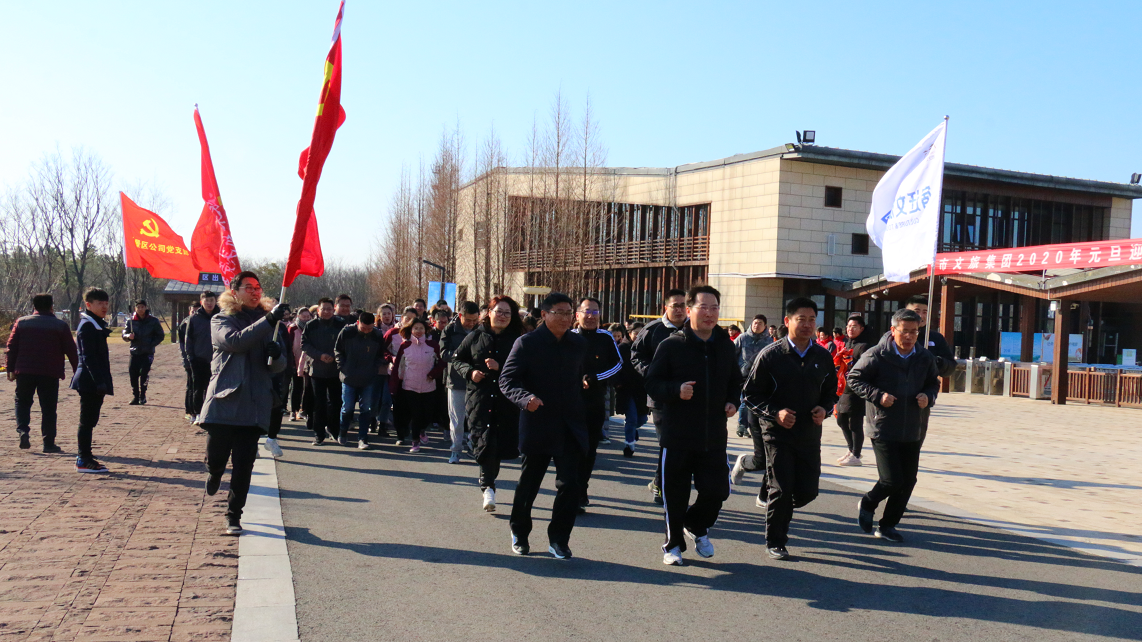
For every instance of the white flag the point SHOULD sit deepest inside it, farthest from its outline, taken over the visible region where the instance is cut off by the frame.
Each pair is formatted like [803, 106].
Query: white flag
[905, 216]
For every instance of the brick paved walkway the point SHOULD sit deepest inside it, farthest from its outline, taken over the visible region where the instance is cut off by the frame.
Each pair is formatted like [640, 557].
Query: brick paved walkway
[134, 555]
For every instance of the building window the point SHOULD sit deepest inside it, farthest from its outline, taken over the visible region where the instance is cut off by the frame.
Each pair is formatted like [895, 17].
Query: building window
[833, 196]
[860, 243]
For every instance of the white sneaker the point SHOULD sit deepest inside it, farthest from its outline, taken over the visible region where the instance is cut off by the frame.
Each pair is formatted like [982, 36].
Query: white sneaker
[274, 448]
[454, 459]
[851, 460]
[702, 545]
[844, 456]
[739, 470]
[673, 557]
[489, 500]
[362, 444]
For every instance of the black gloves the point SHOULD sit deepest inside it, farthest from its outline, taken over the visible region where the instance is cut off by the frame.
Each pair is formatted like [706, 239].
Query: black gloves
[274, 349]
[278, 313]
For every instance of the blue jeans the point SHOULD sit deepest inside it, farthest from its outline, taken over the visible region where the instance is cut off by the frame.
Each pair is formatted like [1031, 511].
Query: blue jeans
[382, 401]
[350, 396]
[743, 415]
[633, 421]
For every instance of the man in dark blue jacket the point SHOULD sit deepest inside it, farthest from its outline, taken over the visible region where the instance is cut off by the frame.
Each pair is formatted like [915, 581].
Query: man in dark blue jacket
[603, 362]
[92, 379]
[145, 333]
[543, 375]
[200, 348]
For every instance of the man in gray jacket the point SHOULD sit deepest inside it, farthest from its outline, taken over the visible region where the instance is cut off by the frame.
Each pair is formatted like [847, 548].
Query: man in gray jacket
[359, 351]
[239, 399]
[748, 345]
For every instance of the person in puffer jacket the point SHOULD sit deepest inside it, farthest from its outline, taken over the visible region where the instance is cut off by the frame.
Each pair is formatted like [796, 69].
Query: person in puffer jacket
[748, 344]
[414, 374]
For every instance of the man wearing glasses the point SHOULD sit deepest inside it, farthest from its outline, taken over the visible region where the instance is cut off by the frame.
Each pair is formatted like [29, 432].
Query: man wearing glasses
[696, 385]
[642, 353]
[603, 362]
[543, 375]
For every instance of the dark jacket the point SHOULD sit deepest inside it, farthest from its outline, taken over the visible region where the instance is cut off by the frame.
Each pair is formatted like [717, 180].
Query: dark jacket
[94, 371]
[782, 379]
[317, 338]
[552, 370]
[881, 370]
[492, 418]
[698, 423]
[631, 384]
[450, 340]
[642, 352]
[148, 332]
[601, 367]
[199, 347]
[38, 345]
[359, 356]
[850, 402]
[180, 331]
[748, 346]
[938, 346]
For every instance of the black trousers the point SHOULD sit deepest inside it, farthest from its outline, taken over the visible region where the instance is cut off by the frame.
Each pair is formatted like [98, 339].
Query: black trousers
[596, 417]
[711, 476]
[46, 387]
[296, 391]
[793, 473]
[533, 468]
[852, 427]
[239, 445]
[90, 404]
[757, 460]
[201, 373]
[326, 415]
[897, 464]
[188, 401]
[657, 467]
[307, 396]
[140, 372]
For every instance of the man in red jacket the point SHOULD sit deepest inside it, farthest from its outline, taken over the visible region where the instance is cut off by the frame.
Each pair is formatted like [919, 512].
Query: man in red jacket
[36, 350]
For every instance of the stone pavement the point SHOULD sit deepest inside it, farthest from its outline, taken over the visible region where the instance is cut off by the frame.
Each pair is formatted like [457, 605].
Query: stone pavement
[133, 555]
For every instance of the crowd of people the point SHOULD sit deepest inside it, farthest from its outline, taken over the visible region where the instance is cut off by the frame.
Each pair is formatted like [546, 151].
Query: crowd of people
[503, 383]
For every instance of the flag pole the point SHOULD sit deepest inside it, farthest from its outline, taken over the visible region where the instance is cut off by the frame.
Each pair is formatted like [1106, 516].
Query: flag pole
[935, 246]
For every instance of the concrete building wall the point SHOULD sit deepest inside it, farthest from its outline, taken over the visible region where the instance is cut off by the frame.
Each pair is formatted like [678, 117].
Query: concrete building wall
[1120, 212]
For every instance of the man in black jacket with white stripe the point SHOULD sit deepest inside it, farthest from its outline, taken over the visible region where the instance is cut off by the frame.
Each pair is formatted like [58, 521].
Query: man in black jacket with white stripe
[603, 362]
[696, 385]
[790, 390]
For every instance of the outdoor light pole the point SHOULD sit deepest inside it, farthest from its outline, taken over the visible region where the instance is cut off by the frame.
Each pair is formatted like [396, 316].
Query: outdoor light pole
[438, 267]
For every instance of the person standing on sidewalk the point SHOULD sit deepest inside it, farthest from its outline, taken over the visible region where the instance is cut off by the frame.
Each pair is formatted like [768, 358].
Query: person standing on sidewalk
[696, 385]
[200, 348]
[630, 397]
[188, 401]
[145, 333]
[455, 384]
[360, 355]
[749, 345]
[239, 398]
[790, 390]
[899, 379]
[301, 395]
[642, 353]
[37, 347]
[543, 376]
[318, 339]
[602, 365]
[492, 418]
[850, 407]
[92, 379]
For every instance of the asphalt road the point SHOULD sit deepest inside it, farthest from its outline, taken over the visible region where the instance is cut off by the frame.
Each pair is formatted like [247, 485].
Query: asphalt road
[391, 546]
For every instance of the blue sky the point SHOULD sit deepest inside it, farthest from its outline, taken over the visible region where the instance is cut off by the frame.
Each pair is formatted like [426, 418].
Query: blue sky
[1043, 87]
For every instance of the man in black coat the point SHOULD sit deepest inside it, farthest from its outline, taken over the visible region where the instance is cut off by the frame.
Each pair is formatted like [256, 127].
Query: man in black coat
[188, 401]
[937, 344]
[145, 333]
[543, 375]
[899, 380]
[695, 383]
[92, 378]
[200, 348]
[601, 367]
[790, 390]
[359, 351]
[318, 341]
[850, 407]
[642, 353]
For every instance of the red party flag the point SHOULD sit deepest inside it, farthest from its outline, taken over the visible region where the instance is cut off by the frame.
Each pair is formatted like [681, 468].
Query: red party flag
[305, 249]
[151, 244]
[212, 247]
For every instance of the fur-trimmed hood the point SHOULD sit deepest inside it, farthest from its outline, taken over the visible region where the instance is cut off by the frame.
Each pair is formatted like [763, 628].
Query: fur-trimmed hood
[228, 303]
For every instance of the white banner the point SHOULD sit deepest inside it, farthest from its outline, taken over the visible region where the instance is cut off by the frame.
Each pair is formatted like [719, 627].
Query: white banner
[905, 215]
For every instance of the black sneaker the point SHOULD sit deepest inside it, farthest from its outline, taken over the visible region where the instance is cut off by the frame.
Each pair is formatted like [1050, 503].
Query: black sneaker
[25, 441]
[520, 545]
[143, 399]
[777, 552]
[864, 517]
[52, 449]
[889, 533]
[318, 442]
[233, 527]
[134, 402]
[212, 484]
[628, 452]
[741, 432]
[656, 492]
[559, 551]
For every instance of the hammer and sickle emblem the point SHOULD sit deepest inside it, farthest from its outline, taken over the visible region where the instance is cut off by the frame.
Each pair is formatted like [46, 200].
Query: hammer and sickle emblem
[150, 228]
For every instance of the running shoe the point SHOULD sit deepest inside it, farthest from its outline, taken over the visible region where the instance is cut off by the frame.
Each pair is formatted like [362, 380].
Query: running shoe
[850, 460]
[415, 447]
[889, 533]
[673, 557]
[89, 466]
[777, 552]
[520, 545]
[702, 544]
[233, 527]
[25, 441]
[559, 551]
[864, 517]
[739, 470]
[454, 458]
[628, 451]
[424, 439]
[274, 448]
[489, 500]
[362, 445]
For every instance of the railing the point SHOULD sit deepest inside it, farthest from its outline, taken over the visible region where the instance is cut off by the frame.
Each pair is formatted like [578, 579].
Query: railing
[1128, 392]
[695, 248]
[1111, 387]
[1020, 381]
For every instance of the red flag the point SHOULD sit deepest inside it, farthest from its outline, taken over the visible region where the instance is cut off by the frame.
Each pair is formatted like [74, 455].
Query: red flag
[305, 249]
[151, 244]
[212, 247]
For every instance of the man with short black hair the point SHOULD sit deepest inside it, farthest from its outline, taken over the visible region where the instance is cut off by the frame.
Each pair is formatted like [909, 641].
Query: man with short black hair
[36, 350]
[421, 309]
[343, 310]
[899, 380]
[455, 385]
[937, 344]
[200, 348]
[318, 341]
[748, 345]
[642, 353]
[145, 333]
[543, 375]
[92, 379]
[790, 390]
[603, 362]
[696, 385]
[360, 354]
[188, 400]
